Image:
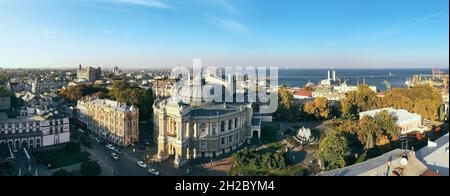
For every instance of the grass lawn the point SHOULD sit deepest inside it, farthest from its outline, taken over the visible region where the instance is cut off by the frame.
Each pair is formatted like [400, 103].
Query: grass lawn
[61, 158]
[269, 133]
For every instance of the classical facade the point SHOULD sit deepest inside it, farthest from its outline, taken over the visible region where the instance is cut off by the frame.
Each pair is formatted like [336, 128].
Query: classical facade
[191, 128]
[90, 74]
[117, 122]
[34, 131]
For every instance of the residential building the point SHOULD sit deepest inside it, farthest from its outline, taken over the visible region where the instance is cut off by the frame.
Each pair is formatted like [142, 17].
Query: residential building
[39, 86]
[116, 122]
[34, 129]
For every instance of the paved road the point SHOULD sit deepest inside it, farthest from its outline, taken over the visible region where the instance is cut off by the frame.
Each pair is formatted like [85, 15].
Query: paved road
[125, 166]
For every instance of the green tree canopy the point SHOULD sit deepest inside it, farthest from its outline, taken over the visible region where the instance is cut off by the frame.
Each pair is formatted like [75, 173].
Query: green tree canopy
[369, 132]
[333, 150]
[388, 124]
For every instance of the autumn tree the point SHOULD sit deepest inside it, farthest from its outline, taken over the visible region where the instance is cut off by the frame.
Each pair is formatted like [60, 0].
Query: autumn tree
[398, 98]
[421, 99]
[318, 108]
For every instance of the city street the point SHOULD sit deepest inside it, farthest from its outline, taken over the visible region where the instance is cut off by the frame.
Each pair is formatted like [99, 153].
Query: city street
[125, 166]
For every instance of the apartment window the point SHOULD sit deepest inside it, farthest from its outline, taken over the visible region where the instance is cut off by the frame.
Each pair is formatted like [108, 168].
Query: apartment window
[223, 141]
[236, 137]
[222, 127]
[236, 123]
[230, 124]
[230, 139]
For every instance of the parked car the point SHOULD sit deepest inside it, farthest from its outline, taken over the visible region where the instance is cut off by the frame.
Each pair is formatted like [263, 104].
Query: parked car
[110, 146]
[153, 171]
[81, 130]
[115, 156]
[142, 164]
[117, 150]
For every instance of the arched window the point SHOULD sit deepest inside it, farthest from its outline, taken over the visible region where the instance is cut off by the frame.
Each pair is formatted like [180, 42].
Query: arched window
[38, 142]
[236, 123]
[222, 127]
[31, 143]
[230, 124]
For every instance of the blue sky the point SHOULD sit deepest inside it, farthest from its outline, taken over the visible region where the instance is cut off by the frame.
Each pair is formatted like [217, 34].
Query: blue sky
[157, 33]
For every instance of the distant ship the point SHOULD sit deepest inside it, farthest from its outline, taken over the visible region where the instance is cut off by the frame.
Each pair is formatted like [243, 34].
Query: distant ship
[390, 74]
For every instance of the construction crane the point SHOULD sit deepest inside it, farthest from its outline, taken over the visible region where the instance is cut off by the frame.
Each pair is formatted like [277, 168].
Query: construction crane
[388, 84]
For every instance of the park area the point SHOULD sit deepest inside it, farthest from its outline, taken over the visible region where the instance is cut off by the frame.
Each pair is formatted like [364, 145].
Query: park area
[67, 156]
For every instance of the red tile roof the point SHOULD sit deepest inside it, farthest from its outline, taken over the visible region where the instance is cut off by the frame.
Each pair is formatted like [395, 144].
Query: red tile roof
[303, 93]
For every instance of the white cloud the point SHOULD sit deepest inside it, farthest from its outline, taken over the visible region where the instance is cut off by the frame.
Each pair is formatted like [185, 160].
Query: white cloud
[146, 3]
[228, 6]
[229, 25]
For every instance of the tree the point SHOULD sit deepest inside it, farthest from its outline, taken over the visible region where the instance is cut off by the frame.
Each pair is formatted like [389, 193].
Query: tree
[121, 91]
[388, 124]
[90, 168]
[369, 132]
[421, 99]
[347, 110]
[287, 110]
[333, 150]
[361, 100]
[319, 108]
[349, 129]
[398, 98]
[75, 93]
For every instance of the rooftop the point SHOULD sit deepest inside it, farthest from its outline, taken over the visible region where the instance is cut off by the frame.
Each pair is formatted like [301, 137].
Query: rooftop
[403, 116]
[378, 166]
[303, 93]
[121, 107]
[435, 155]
